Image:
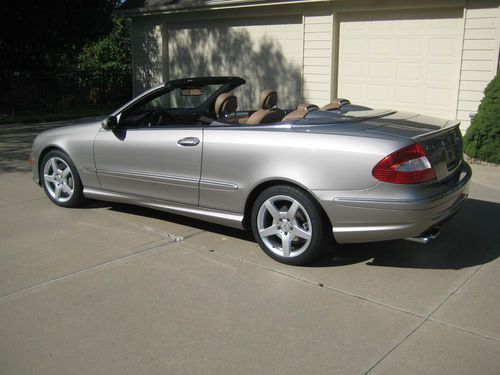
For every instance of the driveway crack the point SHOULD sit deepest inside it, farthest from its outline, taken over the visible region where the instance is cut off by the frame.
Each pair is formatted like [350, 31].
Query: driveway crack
[144, 249]
[428, 318]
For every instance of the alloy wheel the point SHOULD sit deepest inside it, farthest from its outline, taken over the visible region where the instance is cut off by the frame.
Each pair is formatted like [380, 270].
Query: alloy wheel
[284, 226]
[58, 179]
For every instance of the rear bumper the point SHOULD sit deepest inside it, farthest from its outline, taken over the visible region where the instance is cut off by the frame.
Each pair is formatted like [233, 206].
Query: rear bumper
[361, 219]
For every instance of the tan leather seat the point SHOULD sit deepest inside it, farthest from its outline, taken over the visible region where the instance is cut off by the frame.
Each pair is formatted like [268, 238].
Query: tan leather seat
[335, 104]
[225, 104]
[301, 112]
[268, 111]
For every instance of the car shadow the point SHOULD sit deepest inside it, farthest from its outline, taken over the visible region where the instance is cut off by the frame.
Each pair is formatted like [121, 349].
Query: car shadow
[470, 239]
[178, 219]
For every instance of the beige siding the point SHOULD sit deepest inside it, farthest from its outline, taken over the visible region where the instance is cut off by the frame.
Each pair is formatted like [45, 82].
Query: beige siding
[317, 70]
[147, 54]
[479, 55]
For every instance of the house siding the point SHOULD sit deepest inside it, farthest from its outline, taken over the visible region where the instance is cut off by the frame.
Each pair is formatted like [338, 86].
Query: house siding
[317, 65]
[479, 56]
[147, 56]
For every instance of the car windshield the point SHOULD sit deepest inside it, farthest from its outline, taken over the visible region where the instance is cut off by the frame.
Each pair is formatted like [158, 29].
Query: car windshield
[181, 98]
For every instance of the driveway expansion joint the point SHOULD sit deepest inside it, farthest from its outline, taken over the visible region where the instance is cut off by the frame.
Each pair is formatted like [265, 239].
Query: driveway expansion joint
[428, 319]
[153, 246]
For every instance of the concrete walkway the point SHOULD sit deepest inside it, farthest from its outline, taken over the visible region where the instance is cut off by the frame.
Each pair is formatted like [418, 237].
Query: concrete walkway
[116, 289]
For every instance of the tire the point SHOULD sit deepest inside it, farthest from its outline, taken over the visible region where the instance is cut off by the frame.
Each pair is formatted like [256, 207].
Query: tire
[288, 225]
[60, 180]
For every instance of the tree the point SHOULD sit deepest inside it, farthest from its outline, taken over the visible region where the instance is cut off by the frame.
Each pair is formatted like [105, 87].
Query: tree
[482, 139]
[111, 51]
[42, 35]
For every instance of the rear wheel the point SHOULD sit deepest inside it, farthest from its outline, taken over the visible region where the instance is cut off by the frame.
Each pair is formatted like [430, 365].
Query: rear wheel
[60, 179]
[288, 225]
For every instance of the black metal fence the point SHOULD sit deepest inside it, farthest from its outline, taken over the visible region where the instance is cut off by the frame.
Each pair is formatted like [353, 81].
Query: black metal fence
[24, 92]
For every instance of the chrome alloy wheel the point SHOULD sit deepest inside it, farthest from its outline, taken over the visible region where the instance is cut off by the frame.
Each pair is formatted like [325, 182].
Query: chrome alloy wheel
[284, 226]
[58, 179]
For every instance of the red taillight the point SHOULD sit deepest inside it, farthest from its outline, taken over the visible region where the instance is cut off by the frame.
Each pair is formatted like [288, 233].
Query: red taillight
[408, 165]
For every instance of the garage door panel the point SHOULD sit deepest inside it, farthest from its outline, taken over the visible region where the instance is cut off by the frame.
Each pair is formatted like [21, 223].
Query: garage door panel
[267, 52]
[380, 93]
[408, 94]
[354, 46]
[354, 70]
[382, 47]
[440, 72]
[443, 47]
[411, 57]
[380, 70]
[411, 47]
[409, 72]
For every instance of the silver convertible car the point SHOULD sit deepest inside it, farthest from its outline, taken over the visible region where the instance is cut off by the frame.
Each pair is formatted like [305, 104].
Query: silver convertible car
[292, 177]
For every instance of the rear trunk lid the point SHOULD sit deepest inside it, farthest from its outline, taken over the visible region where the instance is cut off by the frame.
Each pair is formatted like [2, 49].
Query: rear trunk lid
[440, 138]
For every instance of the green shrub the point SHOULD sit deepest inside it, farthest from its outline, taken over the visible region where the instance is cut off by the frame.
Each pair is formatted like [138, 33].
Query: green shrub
[482, 139]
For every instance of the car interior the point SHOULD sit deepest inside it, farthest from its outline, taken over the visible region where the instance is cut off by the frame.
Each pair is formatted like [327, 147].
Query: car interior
[215, 104]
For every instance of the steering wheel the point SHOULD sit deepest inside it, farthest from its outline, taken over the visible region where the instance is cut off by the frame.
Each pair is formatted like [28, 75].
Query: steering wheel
[159, 117]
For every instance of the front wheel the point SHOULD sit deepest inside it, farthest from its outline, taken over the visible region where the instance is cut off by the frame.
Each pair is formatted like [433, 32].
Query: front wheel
[60, 179]
[288, 225]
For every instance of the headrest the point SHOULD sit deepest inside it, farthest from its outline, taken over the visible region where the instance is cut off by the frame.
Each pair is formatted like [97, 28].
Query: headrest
[226, 103]
[307, 107]
[335, 104]
[268, 99]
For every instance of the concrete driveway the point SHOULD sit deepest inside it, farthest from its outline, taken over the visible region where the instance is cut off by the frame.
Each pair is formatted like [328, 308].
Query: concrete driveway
[115, 289]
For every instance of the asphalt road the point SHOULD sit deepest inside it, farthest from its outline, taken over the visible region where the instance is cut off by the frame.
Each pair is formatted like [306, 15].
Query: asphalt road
[116, 289]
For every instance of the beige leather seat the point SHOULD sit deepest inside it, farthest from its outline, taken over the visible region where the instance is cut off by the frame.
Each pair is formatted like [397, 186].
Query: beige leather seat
[336, 104]
[225, 104]
[268, 111]
[301, 112]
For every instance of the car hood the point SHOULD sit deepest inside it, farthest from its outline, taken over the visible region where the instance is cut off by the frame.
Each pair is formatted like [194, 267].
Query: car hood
[73, 128]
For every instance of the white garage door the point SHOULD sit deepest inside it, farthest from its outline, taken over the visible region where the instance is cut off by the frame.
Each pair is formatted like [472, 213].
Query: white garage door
[405, 60]
[267, 52]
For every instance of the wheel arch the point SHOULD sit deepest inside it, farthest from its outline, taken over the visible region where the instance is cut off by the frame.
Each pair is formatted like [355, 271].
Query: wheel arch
[259, 188]
[42, 154]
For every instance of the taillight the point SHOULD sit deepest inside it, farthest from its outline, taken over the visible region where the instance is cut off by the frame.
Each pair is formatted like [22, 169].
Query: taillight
[408, 165]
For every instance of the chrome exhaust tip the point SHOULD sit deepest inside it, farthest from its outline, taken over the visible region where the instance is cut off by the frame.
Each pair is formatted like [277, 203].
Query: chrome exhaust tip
[427, 236]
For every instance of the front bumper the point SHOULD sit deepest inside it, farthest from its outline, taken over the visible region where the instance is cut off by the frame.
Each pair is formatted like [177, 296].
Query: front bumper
[367, 219]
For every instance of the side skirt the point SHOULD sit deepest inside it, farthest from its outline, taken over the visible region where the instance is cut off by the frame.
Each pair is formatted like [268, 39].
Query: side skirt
[214, 216]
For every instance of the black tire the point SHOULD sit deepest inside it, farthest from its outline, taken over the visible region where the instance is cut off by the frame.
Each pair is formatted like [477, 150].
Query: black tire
[309, 224]
[70, 186]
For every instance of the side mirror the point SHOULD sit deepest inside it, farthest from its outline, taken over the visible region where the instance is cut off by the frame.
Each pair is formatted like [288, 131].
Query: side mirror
[109, 123]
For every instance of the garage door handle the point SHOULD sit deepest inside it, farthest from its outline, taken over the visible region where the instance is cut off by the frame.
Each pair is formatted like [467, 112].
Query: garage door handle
[188, 141]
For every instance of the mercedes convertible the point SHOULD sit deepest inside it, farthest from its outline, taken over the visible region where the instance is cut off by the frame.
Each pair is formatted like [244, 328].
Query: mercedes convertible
[300, 179]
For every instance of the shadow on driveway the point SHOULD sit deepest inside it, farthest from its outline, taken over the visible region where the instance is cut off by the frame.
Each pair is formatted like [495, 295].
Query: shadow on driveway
[470, 239]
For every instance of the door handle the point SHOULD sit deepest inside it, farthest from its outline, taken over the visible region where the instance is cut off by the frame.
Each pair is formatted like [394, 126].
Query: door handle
[188, 141]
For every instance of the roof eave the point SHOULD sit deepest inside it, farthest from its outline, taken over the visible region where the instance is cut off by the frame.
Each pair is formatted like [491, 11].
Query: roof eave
[212, 5]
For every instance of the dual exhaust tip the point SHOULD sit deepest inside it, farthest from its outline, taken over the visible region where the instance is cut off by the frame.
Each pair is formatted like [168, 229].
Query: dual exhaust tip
[427, 236]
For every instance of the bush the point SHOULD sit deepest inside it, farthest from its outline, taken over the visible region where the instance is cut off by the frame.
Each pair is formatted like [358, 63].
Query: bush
[482, 139]
[112, 52]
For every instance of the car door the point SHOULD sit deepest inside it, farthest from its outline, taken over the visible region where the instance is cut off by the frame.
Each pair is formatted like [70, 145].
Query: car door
[151, 154]
[161, 163]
